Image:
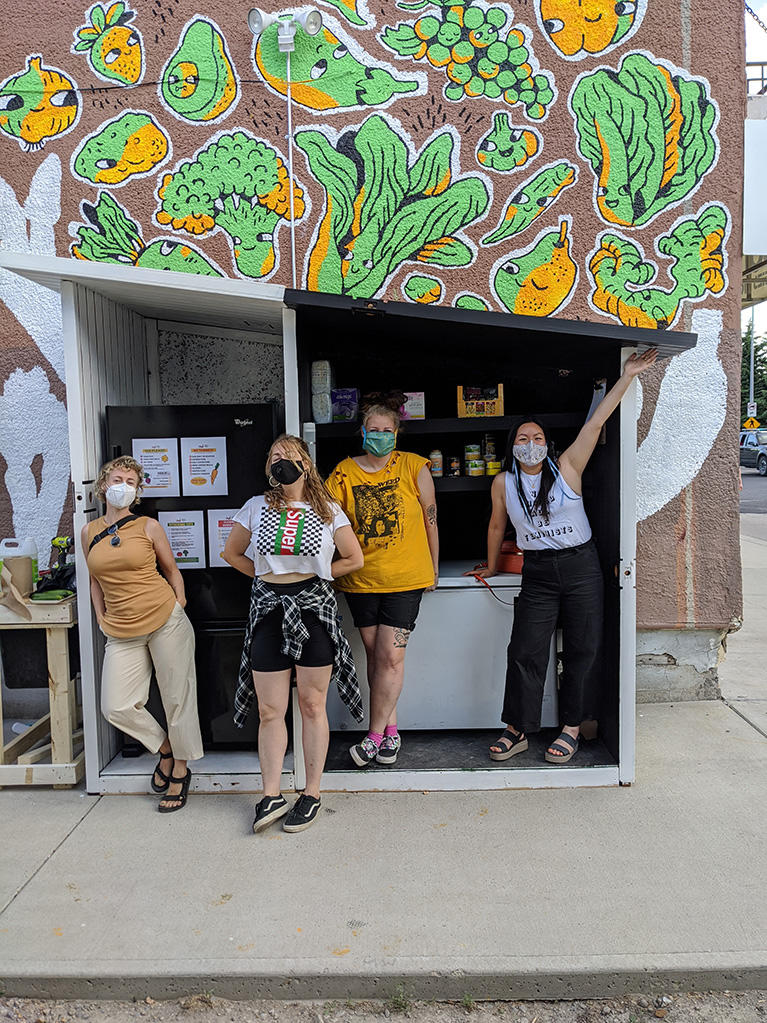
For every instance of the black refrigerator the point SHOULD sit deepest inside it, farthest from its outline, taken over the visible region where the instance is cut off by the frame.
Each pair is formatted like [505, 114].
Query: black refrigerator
[184, 447]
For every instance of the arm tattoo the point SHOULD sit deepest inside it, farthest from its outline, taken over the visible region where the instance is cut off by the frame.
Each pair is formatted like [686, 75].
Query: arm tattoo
[401, 636]
[431, 515]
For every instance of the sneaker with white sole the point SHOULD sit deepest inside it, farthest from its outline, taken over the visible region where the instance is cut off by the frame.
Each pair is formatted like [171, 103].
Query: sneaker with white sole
[303, 814]
[270, 809]
[389, 749]
[364, 752]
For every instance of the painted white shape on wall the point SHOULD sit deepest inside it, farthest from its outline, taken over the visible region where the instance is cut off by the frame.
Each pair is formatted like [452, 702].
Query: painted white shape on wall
[28, 227]
[27, 399]
[689, 414]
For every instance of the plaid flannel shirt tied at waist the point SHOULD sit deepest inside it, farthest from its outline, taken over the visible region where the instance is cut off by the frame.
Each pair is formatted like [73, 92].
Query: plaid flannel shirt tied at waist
[319, 598]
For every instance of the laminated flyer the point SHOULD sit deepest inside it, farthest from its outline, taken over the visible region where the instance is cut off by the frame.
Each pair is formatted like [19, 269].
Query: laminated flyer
[203, 467]
[159, 459]
[186, 534]
[220, 523]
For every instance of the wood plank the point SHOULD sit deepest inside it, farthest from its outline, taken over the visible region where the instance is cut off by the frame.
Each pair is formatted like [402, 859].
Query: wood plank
[60, 693]
[34, 756]
[28, 738]
[63, 613]
[58, 775]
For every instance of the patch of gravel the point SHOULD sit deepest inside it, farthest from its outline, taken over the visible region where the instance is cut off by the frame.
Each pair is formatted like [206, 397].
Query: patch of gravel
[705, 1007]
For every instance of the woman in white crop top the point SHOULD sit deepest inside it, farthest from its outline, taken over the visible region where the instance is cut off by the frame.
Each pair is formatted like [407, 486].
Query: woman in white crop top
[286, 541]
[561, 575]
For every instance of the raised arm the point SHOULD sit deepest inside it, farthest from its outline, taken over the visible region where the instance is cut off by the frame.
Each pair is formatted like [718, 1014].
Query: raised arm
[574, 460]
[428, 501]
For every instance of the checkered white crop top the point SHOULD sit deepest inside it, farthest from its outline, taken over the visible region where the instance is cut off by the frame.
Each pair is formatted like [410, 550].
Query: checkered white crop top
[292, 539]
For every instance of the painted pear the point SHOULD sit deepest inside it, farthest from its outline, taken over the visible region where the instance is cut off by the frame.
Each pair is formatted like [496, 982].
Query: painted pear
[537, 282]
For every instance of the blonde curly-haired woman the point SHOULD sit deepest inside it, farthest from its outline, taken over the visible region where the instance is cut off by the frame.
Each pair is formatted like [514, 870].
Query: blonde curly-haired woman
[141, 612]
[300, 540]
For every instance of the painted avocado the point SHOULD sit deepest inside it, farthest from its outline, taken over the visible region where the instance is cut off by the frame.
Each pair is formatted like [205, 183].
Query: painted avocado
[38, 104]
[538, 281]
[424, 290]
[199, 82]
[114, 47]
[130, 144]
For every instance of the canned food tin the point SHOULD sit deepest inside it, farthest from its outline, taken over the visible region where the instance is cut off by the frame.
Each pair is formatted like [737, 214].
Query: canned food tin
[492, 468]
[472, 453]
[475, 467]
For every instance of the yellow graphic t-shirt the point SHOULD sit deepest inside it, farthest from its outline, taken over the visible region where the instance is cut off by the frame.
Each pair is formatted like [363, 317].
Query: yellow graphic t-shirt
[386, 514]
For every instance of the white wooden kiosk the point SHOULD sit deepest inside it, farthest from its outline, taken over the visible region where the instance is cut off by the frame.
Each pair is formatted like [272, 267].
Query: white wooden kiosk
[110, 336]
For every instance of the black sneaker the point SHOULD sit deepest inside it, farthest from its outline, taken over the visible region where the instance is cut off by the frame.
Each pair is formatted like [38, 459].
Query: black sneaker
[302, 814]
[364, 752]
[270, 809]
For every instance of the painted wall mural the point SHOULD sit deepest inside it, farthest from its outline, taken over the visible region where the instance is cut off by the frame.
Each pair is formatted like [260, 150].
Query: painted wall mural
[649, 133]
[583, 28]
[547, 158]
[38, 104]
[386, 204]
[113, 46]
[237, 184]
[129, 146]
[330, 72]
[110, 236]
[199, 82]
[482, 53]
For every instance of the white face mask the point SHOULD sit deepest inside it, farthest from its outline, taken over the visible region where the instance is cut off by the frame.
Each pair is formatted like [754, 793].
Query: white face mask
[121, 495]
[530, 454]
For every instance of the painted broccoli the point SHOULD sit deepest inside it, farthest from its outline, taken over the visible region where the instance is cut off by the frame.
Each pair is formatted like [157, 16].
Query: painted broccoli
[110, 236]
[237, 184]
[386, 205]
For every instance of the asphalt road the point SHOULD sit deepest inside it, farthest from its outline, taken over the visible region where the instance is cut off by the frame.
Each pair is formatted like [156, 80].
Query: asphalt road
[753, 505]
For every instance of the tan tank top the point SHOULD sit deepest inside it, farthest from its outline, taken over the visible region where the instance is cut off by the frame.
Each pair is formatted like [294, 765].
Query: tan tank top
[138, 599]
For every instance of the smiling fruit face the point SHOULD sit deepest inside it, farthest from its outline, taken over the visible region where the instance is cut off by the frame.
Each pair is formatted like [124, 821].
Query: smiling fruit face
[119, 55]
[131, 144]
[199, 81]
[586, 26]
[37, 105]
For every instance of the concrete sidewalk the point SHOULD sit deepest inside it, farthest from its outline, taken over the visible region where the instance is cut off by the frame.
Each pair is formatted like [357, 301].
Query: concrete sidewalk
[548, 893]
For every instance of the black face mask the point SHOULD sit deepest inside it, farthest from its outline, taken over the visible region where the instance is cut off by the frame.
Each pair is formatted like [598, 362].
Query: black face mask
[285, 471]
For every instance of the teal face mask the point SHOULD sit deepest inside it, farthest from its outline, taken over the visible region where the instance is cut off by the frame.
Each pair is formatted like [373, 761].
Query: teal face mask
[378, 443]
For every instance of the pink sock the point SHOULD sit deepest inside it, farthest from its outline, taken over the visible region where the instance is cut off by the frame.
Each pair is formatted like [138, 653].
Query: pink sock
[390, 730]
[376, 737]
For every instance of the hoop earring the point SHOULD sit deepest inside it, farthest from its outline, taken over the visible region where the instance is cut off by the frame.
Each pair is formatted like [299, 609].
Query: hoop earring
[273, 482]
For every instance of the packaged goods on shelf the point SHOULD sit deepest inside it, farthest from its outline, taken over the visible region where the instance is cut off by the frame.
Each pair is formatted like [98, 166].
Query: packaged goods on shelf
[435, 457]
[476, 402]
[345, 403]
[415, 405]
[322, 408]
[323, 377]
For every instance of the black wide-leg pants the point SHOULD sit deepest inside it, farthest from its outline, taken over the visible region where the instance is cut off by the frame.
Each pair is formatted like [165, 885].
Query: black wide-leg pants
[557, 585]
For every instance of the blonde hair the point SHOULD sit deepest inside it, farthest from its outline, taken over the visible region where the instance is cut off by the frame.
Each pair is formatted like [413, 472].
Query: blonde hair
[315, 493]
[379, 404]
[123, 462]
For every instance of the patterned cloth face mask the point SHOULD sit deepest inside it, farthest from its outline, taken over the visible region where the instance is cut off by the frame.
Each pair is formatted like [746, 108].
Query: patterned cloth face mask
[378, 442]
[530, 454]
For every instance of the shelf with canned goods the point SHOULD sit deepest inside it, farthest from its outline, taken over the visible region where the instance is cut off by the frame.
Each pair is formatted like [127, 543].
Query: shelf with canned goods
[476, 424]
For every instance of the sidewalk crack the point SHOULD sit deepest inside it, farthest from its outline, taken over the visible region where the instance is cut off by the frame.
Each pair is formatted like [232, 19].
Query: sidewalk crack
[50, 855]
[740, 714]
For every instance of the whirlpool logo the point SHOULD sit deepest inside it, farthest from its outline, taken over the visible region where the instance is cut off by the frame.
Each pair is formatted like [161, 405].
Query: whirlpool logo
[243, 422]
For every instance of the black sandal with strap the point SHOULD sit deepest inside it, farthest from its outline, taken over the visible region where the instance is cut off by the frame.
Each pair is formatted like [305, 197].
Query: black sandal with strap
[165, 777]
[518, 745]
[561, 743]
[180, 799]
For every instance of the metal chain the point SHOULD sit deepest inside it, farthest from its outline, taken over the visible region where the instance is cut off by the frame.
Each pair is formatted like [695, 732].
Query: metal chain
[757, 19]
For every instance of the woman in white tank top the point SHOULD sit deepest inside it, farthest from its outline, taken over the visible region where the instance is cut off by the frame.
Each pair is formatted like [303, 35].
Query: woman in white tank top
[561, 578]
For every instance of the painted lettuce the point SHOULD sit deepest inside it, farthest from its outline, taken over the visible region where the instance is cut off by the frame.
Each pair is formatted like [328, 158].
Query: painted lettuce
[648, 134]
[380, 212]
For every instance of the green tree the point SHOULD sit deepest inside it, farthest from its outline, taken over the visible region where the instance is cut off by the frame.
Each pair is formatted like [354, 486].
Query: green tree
[760, 376]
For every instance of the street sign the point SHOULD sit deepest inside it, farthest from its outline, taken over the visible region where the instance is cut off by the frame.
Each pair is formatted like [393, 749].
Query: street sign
[751, 410]
[751, 424]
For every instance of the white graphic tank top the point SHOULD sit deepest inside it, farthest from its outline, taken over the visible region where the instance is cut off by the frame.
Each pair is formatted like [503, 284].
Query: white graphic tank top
[568, 525]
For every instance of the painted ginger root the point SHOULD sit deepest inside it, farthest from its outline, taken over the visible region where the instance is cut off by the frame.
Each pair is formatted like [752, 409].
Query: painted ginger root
[239, 184]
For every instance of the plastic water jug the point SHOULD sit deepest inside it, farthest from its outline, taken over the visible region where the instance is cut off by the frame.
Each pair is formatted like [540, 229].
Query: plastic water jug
[26, 548]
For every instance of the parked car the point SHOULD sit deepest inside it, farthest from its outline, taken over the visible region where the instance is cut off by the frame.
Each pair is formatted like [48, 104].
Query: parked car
[753, 450]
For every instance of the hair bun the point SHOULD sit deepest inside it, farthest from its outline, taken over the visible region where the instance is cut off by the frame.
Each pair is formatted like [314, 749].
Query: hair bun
[393, 400]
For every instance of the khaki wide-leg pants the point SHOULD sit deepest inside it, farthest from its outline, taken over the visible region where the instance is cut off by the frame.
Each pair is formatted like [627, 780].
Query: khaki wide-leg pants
[125, 684]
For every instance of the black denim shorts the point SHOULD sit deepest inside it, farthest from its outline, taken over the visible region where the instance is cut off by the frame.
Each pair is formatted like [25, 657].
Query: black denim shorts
[399, 610]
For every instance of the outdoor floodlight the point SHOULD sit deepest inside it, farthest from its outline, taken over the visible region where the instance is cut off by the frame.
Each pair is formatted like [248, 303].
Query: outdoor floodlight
[258, 20]
[310, 21]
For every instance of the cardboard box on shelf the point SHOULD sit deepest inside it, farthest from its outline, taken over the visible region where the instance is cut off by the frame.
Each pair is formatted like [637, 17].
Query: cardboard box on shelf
[415, 406]
[478, 402]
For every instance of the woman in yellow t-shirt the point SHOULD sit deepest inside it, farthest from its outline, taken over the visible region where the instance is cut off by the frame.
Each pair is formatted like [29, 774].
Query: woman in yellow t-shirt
[388, 496]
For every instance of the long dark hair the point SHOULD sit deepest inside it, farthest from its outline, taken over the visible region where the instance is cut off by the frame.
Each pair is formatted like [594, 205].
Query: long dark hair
[549, 472]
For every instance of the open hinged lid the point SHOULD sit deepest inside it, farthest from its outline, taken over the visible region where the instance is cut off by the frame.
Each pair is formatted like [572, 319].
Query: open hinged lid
[480, 330]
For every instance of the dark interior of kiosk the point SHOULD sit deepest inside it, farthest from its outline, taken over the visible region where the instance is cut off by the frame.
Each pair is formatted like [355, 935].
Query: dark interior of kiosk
[548, 373]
